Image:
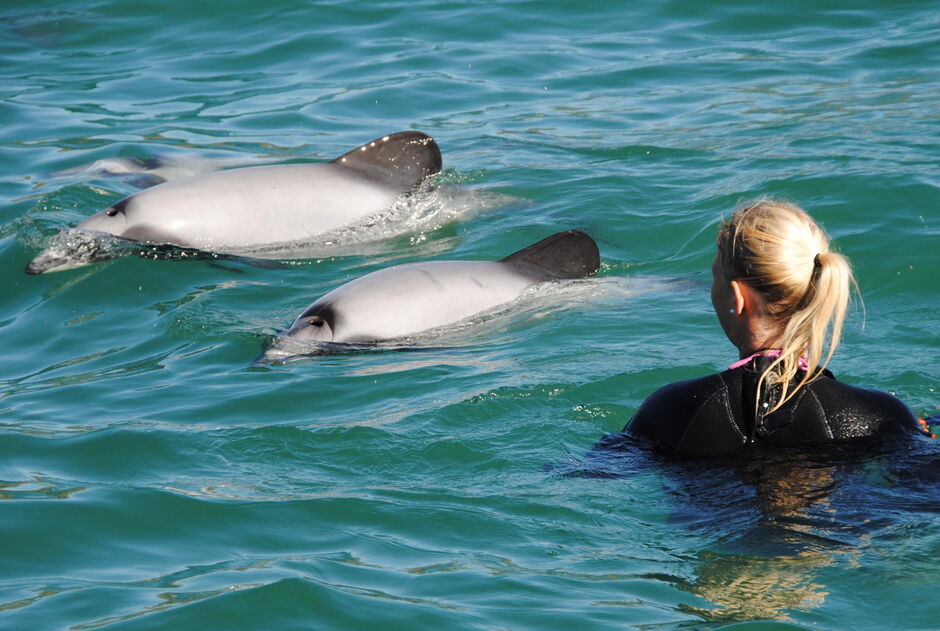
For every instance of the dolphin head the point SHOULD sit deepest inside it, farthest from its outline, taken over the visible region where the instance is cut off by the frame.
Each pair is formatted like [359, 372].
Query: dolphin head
[310, 333]
[111, 220]
[87, 243]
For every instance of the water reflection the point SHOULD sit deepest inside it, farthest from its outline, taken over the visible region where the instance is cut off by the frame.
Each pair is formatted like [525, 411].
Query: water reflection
[770, 522]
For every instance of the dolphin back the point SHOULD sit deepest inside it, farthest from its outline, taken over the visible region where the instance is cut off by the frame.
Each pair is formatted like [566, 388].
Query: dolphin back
[568, 254]
[401, 160]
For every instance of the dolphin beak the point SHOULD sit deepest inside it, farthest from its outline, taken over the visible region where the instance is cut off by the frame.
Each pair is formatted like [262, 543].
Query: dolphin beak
[285, 348]
[281, 350]
[72, 248]
[49, 262]
[271, 357]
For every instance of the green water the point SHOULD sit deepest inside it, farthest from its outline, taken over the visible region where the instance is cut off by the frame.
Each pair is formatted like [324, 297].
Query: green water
[153, 478]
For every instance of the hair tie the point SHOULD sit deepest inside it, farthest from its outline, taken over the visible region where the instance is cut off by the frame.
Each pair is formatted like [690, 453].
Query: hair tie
[816, 262]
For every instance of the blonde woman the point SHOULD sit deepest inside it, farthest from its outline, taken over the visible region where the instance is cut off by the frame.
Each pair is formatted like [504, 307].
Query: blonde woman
[781, 296]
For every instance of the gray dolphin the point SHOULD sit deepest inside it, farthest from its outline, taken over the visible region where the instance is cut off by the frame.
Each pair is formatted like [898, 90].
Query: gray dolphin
[399, 301]
[236, 210]
[147, 172]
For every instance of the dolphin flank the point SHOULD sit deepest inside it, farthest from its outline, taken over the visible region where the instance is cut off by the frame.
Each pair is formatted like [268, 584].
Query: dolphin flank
[235, 210]
[406, 299]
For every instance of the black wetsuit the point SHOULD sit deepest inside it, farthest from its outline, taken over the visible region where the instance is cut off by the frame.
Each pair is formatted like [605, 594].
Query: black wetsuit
[716, 414]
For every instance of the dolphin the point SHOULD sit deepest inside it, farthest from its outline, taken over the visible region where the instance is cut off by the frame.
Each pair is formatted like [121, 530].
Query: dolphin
[237, 210]
[402, 300]
[147, 172]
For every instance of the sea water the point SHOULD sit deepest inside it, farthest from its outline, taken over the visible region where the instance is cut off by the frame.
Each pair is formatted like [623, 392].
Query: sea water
[152, 477]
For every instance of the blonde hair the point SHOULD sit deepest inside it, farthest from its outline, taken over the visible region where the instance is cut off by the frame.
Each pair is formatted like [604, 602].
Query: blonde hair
[777, 249]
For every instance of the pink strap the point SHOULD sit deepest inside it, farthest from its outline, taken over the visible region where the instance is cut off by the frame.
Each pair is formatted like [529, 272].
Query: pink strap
[774, 352]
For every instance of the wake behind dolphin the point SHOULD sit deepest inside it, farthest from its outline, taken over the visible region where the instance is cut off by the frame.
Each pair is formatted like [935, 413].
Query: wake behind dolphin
[237, 210]
[399, 301]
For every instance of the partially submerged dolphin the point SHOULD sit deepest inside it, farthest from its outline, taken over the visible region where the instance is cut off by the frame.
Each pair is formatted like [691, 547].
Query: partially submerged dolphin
[236, 210]
[399, 301]
[146, 172]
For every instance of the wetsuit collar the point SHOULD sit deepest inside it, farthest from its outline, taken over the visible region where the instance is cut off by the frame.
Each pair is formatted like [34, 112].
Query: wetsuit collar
[771, 352]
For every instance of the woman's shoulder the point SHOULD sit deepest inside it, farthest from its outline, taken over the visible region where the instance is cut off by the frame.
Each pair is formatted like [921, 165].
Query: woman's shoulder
[855, 412]
[711, 415]
[694, 415]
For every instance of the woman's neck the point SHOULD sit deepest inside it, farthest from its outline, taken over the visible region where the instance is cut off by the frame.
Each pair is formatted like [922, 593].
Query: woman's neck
[758, 336]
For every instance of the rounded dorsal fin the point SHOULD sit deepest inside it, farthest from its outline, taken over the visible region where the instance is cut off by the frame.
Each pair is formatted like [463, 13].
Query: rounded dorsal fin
[568, 254]
[402, 160]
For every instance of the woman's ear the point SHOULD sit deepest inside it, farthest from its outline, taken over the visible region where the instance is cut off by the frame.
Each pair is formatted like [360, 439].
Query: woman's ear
[740, 297]
[747, 299]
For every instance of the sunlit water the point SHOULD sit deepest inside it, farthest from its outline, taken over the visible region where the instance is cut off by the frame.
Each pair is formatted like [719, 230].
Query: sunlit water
[154, 477]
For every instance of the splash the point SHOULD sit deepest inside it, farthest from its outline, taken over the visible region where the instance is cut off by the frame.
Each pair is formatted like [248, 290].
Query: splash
[70, 249]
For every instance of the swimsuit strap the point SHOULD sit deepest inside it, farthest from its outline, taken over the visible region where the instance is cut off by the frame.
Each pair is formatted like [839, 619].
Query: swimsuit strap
[773, 352]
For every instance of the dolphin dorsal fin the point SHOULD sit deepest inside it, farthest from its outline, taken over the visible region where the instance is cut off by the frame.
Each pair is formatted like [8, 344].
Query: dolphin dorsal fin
[403, 159]
[568, 254]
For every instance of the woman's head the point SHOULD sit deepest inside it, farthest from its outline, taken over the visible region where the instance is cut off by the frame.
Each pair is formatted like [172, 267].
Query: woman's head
[775, 248]
[783, 257]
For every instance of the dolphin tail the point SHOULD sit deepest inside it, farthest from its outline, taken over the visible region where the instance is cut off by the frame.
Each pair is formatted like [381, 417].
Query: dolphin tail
[402, 160]
[568, 254]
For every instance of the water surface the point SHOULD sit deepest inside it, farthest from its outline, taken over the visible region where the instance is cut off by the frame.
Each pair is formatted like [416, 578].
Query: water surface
[153, 478]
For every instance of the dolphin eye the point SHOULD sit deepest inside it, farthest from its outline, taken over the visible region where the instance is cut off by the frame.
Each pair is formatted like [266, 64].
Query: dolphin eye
[316, 321]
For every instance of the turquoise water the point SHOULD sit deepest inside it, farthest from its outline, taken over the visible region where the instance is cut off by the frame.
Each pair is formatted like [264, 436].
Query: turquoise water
[153, 478]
